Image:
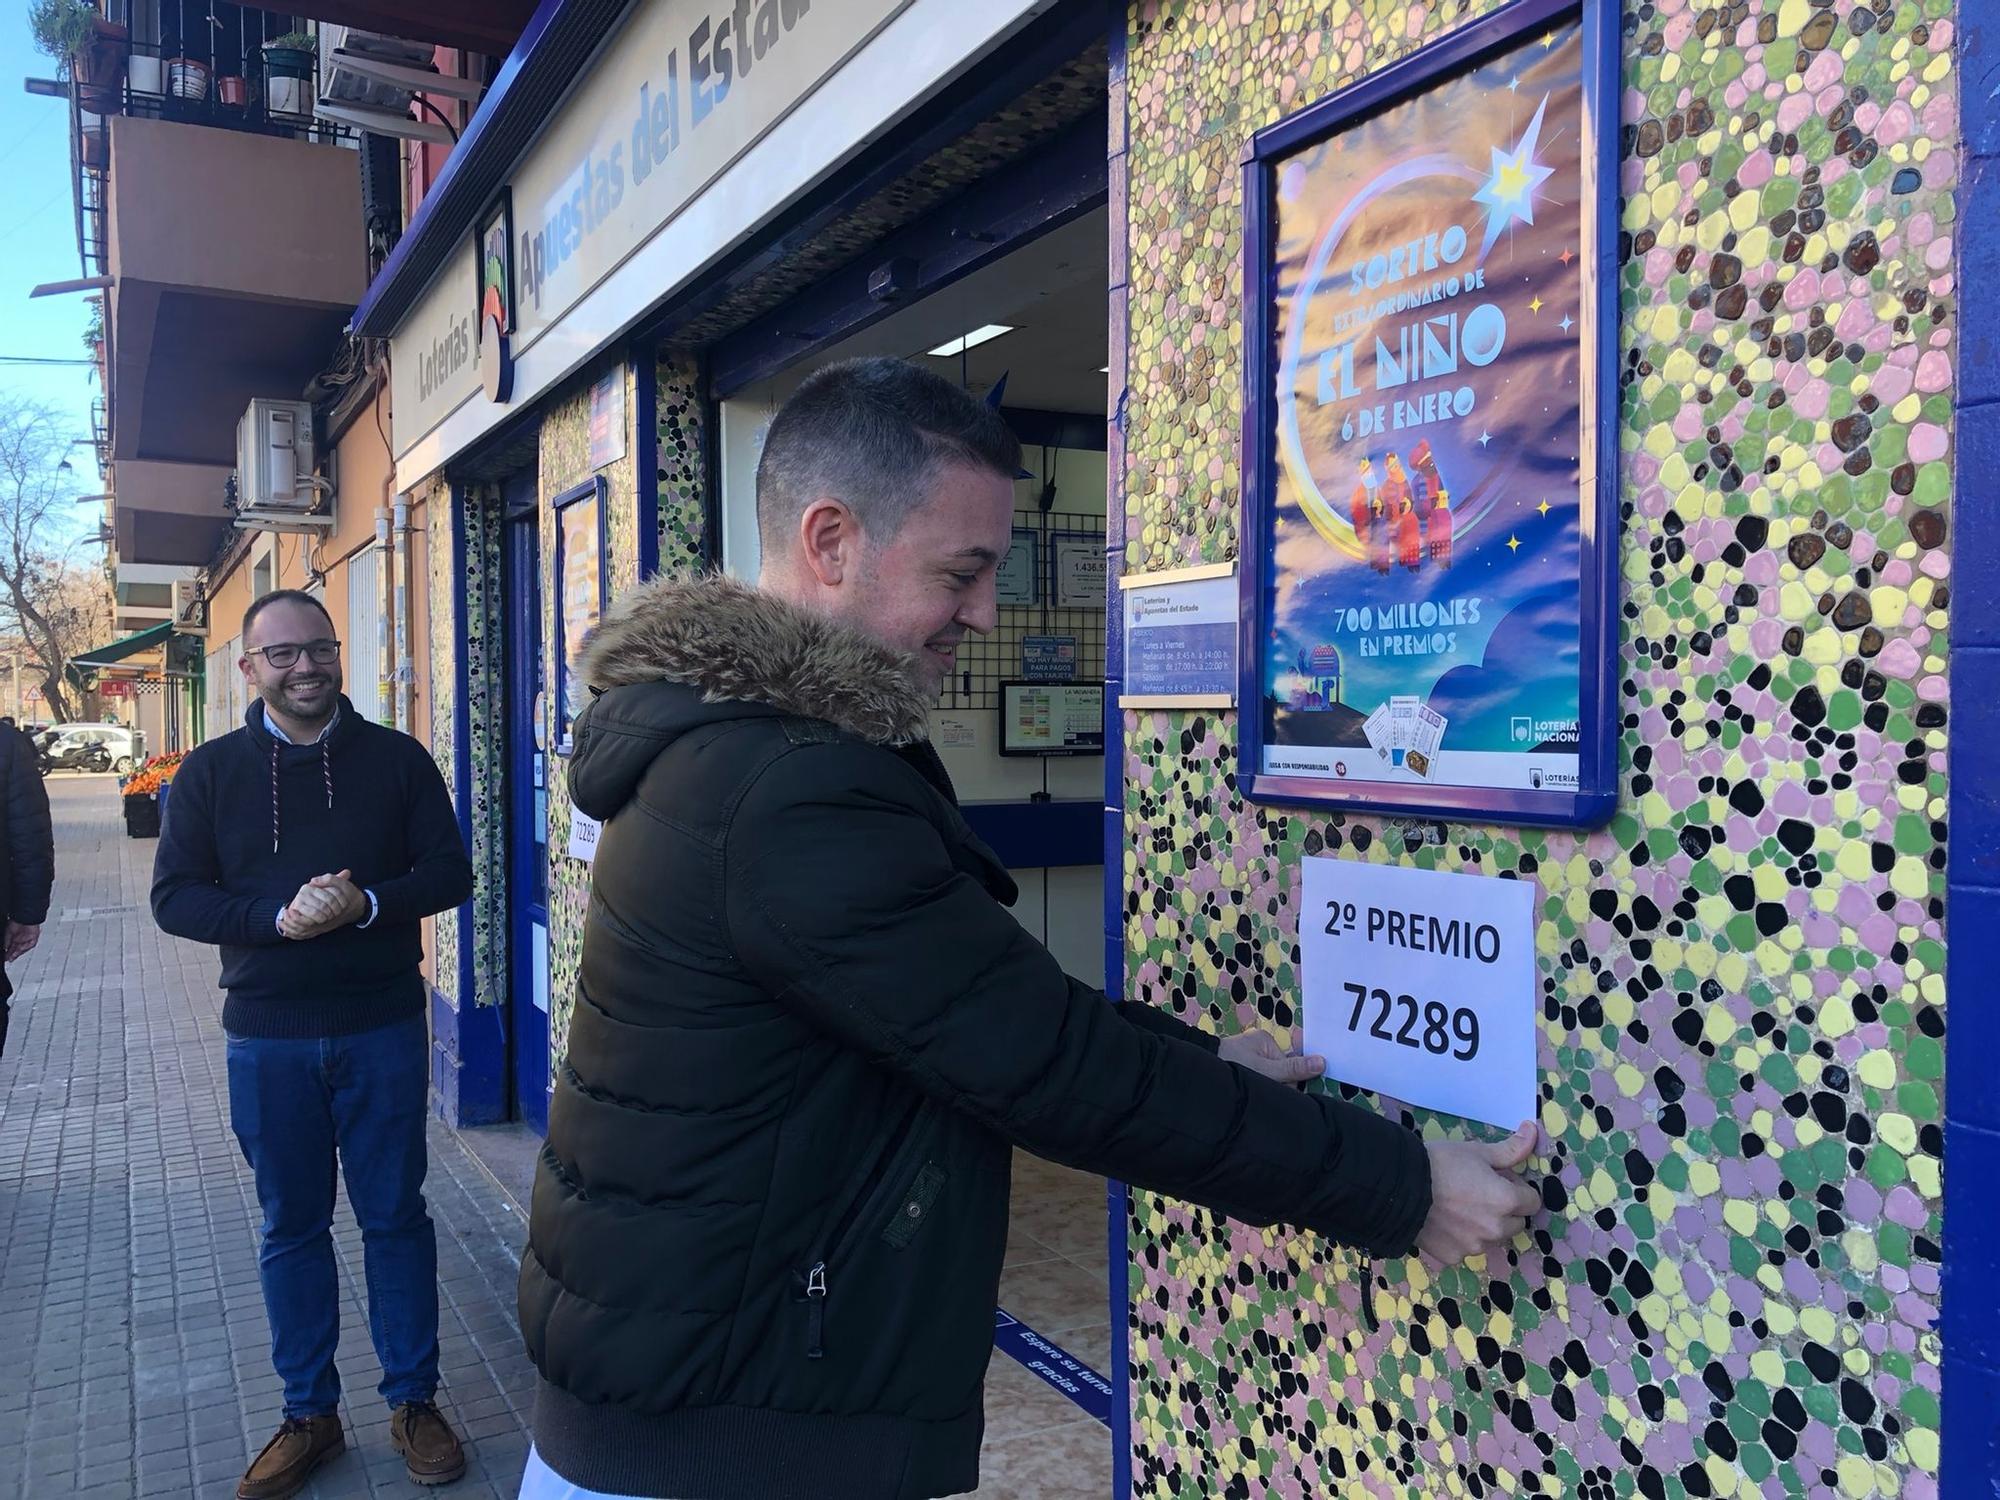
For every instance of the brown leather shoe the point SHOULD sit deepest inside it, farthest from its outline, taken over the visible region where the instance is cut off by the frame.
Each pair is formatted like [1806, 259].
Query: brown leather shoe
[427, 1443]
[301, 1445]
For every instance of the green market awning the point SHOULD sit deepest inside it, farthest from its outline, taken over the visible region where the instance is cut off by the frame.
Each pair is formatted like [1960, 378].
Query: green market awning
[117, 651]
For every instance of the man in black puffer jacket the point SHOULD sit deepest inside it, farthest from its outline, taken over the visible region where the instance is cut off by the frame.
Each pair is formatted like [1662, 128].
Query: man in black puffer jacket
[769, 1219]
[27, 857]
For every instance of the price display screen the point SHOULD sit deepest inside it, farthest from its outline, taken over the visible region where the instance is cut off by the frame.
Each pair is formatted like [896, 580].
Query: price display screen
[1051, 718]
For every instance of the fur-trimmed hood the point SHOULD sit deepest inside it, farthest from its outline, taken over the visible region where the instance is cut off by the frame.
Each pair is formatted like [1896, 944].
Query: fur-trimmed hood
[744, 654]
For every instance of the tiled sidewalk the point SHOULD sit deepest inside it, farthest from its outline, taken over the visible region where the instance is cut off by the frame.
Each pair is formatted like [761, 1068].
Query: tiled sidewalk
[134, 1355]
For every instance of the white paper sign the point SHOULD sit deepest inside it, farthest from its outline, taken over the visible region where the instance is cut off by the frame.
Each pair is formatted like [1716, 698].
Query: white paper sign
[1421, 985]
[1082, 569]
[583, 832]
[540, 959]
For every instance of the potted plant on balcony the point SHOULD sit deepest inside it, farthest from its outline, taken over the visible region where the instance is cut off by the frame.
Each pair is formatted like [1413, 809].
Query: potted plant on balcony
[94, 49]
[93, 140]
[186, 78]
[93, 334]
[289, 64]
[61, 27]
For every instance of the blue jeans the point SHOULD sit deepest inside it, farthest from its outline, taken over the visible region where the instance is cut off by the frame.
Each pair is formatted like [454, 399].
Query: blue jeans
[293, 1103]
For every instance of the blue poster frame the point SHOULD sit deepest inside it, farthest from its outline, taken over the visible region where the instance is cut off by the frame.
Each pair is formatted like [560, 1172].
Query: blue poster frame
[592, 491]
[1596, 795]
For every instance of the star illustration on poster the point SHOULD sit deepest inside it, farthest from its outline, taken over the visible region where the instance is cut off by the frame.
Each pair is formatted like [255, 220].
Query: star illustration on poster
[1509, 191]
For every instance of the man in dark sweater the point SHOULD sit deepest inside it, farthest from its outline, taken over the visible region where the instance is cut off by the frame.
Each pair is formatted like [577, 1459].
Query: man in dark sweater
[309, 845]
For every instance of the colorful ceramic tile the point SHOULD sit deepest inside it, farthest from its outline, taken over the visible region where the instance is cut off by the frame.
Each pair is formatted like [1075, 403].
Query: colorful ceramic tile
[1732, 1290]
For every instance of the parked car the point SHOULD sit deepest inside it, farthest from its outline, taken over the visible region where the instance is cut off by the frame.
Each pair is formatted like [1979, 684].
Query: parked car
[90, 747]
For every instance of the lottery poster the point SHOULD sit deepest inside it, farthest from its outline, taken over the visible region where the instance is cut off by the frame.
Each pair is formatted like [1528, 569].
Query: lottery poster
[1430, 487]
[580, 528]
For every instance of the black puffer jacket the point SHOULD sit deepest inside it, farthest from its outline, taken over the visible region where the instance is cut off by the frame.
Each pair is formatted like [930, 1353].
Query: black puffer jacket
[769, 1219]
[28, 868]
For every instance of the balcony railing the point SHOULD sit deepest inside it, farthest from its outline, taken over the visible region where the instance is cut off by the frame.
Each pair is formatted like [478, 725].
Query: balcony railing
[100, 434]
[194, 62]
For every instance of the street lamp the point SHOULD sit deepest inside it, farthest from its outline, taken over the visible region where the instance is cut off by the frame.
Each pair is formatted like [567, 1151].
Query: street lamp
[80, 284]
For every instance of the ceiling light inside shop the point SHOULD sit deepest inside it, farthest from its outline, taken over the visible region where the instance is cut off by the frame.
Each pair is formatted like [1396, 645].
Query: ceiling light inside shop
[983, 334]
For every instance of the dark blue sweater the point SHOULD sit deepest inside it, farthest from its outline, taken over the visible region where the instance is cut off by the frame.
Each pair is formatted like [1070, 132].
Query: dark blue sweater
[251, 819]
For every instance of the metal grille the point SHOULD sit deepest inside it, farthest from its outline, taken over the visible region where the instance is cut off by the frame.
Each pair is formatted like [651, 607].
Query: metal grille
[984, 662]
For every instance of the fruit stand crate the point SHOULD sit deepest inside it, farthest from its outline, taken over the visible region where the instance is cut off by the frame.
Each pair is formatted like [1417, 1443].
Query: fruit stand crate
[142, 815]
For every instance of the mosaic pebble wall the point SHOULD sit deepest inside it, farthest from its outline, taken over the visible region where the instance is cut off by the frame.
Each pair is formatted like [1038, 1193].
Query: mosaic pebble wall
[680, 479]
[1732, 1290]
[441, 519]
[486, 679]
[474, 511]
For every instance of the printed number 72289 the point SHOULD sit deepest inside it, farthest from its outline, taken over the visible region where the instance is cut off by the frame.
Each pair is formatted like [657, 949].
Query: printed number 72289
[1463, 1022]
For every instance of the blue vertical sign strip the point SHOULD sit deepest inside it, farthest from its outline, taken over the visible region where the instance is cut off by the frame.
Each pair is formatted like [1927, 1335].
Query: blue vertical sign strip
[1118, 1290]
[1970, 1308]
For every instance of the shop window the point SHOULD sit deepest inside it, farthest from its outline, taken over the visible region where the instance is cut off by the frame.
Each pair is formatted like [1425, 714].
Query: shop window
[263, 567]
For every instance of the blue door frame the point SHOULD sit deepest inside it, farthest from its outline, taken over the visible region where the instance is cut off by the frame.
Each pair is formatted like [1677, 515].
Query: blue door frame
[527, 810]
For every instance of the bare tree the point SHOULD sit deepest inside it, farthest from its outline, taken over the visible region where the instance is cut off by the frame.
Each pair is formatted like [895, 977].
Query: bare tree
[53, 591]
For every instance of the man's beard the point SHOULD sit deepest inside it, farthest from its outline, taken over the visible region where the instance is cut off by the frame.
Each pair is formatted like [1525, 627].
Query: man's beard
[322, 693]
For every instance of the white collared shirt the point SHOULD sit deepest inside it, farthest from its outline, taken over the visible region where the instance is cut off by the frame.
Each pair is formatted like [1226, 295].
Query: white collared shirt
[283, 738]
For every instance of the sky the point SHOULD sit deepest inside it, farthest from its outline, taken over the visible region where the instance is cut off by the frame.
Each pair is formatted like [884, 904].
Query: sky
[38, 243]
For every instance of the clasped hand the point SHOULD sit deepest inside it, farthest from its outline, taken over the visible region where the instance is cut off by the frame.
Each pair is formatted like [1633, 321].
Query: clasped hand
[323, 903]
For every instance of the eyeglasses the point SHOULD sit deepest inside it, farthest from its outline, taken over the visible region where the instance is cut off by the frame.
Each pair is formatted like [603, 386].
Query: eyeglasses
[325, 653]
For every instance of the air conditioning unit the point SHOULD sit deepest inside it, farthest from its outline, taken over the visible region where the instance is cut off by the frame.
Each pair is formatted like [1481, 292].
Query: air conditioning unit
[190, 607]
[276, 489]
[369, 79]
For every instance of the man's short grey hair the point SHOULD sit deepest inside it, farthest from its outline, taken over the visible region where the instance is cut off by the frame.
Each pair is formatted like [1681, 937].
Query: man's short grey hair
[872, 433]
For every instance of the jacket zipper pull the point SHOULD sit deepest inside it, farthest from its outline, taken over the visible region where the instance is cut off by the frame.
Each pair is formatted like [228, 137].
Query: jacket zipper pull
[815, 1309]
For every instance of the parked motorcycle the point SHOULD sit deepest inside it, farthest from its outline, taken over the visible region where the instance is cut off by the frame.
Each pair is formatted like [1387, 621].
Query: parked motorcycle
[74, 757]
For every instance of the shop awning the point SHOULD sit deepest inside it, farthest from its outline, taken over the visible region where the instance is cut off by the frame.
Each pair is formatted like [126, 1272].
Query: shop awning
[131, 645]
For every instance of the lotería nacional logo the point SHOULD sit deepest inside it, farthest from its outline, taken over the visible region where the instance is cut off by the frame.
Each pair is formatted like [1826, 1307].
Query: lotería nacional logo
[1529, 731]
[496, 302]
